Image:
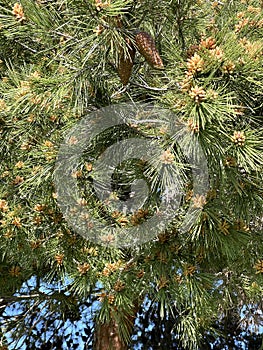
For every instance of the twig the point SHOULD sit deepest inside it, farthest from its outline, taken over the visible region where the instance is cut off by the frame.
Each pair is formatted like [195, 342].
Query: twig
[120, 91]
[147, 87]
[18, 297]
[27, 47]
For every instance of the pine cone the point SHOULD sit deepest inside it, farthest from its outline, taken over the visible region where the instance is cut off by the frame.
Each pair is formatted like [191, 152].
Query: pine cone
[146, 47]
[126, 62]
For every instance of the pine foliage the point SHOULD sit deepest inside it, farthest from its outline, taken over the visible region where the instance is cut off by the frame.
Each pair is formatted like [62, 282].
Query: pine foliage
[60, 60]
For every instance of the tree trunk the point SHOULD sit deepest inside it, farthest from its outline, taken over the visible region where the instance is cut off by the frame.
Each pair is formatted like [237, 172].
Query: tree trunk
[107, 337]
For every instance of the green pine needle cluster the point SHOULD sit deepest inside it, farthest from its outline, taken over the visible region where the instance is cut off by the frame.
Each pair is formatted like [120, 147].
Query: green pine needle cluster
[58, 64]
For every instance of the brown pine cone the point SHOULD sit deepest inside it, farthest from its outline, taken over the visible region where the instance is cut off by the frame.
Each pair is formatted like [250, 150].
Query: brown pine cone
[146, 47]
[126, 62]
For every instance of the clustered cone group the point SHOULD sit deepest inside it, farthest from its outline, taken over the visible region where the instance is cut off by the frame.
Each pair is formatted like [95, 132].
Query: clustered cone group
[259, 266]
[143, 42]
[18, 12]
[146, 46]
[239, 138]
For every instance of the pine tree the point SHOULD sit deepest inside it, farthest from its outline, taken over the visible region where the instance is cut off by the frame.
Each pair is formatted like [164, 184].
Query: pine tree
[62, 61]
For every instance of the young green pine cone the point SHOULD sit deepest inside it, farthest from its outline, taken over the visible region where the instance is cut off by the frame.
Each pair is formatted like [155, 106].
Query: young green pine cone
[146, 47]
[125, 64]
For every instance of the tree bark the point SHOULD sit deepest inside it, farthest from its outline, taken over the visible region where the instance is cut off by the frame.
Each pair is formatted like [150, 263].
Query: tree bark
[107, 337]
